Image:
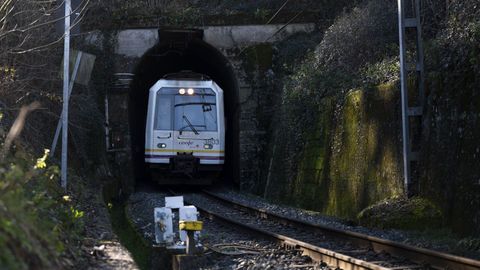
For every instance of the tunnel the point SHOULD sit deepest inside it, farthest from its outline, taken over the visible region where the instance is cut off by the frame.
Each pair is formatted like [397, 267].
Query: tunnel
[180, 50]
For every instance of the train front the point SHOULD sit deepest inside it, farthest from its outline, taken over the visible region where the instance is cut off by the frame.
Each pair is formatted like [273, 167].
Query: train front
[185, 130]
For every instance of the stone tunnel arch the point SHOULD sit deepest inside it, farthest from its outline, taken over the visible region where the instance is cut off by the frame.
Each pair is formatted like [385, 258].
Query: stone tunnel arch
[183, 50]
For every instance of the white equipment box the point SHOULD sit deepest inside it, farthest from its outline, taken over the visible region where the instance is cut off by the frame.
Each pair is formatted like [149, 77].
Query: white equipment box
[174, 202]
[163, 226]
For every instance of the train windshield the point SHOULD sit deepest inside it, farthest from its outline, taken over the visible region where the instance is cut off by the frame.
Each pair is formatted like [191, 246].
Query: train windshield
[186, 109]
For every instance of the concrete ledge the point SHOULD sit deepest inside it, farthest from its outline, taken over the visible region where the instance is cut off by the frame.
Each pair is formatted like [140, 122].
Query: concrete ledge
[135, 42]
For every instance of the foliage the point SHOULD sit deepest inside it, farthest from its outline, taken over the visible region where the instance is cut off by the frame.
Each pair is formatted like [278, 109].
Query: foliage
[456, 47]
[37, 224]
[336, 64]
[195, 13]
[359, 37]
[384, 71]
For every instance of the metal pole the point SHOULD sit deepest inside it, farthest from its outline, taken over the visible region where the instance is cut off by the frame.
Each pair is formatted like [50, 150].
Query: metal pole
[66, 79]
[420, 53]
[107, 124]
[404, 96]
[70, 88]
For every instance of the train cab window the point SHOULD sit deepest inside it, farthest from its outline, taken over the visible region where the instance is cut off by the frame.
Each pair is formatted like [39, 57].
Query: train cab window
[163, 114]
[178, 110]
[198, 110]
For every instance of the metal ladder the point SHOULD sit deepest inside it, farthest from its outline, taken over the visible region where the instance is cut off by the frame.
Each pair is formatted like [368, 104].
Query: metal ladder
[412, 114]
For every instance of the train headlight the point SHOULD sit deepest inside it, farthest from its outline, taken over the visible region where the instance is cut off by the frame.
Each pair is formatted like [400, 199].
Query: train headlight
[181, 91]
[208, 146]
[162, 145]
[190, 91]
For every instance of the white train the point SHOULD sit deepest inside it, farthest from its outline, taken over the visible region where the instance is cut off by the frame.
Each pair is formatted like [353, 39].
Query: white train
[185, 129]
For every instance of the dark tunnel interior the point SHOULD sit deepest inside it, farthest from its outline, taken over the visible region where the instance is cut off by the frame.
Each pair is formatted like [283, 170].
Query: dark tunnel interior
[178, 51]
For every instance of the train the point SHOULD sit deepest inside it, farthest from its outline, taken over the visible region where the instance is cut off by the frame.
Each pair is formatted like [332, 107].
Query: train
[185, 127]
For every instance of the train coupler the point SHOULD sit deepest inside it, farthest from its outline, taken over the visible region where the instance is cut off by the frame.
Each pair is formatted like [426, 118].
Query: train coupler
[185, 163]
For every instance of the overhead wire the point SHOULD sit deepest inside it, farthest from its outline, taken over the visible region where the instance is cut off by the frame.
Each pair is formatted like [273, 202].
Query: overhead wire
[278, 11]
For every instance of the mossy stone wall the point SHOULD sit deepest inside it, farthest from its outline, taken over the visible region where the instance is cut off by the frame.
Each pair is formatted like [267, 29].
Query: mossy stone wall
[365, 151]
[352, 156]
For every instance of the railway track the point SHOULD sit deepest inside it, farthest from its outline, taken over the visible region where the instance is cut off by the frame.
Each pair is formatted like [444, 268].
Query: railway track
[337, 248]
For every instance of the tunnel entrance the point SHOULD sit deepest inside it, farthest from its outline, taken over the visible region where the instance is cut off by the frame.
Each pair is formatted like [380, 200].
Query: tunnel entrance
[183, 50]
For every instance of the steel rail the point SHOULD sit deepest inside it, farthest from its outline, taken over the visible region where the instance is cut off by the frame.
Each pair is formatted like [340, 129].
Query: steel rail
[318, 254]
[422, 256]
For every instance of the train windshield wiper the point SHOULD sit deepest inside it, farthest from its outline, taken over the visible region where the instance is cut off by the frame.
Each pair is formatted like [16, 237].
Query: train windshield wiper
[190, 125]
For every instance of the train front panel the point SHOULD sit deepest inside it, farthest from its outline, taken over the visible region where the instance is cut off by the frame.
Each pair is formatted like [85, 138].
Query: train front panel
[185, 129]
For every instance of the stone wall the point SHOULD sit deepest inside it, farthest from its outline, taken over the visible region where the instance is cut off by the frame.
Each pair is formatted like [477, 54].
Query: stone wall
[253, 65]
[351, 157]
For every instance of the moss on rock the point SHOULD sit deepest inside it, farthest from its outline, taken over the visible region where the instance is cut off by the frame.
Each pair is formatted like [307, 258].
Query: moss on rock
[399, 213]
[351, 156]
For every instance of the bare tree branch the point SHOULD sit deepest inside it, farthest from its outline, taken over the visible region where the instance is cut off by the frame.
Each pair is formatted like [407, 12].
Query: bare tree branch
[17, 127]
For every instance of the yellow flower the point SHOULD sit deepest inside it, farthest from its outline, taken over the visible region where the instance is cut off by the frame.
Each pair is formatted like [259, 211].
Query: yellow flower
[42, 162]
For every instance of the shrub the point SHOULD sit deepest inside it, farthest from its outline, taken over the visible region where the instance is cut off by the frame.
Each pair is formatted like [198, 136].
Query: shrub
[359, 37]
[36, 220]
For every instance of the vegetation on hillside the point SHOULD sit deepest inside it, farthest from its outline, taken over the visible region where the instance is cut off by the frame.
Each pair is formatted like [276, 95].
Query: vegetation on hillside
[40, 224]
[40, 227]
[340, 146]
[194, 13]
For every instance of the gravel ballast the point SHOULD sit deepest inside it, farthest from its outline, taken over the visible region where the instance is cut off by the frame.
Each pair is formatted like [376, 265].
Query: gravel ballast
[139, 210]
[267, 255]
[410, 238]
